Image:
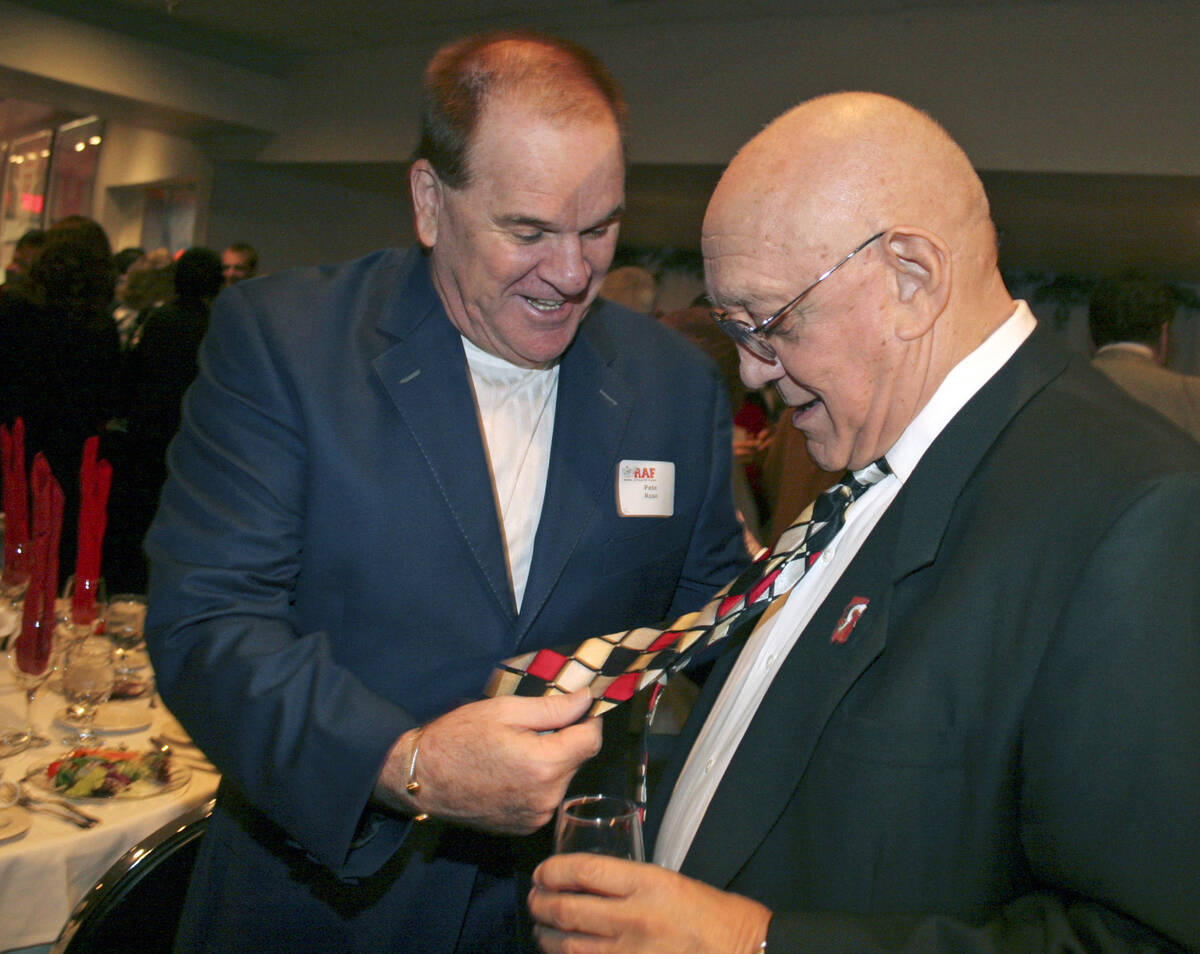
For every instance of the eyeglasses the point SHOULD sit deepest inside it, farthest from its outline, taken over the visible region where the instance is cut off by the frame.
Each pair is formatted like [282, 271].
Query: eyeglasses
[754, 337]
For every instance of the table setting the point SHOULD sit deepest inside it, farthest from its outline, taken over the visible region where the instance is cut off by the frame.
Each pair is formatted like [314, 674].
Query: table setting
[90, 760]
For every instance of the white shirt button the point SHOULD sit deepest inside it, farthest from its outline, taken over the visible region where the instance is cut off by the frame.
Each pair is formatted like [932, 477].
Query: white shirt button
[708, 766]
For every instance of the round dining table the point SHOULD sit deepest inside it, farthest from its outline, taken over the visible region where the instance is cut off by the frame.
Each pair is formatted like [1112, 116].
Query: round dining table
[47, 863]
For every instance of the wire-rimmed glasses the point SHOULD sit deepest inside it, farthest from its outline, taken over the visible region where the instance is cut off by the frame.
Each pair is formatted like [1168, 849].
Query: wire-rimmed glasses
[754, 337]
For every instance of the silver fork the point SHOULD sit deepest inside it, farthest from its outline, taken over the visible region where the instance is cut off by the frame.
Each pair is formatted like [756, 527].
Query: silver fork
[59, 808]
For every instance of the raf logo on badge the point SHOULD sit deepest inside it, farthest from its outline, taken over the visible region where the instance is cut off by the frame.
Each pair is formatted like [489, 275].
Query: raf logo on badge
[646, 488]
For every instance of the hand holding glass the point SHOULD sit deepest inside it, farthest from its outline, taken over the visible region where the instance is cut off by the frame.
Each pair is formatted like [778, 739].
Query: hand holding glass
[601, 824]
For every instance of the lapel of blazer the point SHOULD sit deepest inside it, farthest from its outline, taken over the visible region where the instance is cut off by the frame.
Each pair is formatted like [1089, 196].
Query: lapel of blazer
[777, 747]
[592, 412]
[819, 671]
[425, 374]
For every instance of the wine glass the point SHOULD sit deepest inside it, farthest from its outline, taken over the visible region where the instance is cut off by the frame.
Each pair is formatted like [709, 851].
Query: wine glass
[30, 670]
[601, 824]
[87, 682]
[14, 580]
[85, 604]
[125, 625]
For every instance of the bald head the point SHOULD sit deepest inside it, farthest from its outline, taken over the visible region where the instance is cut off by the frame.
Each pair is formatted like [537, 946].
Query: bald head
[848, 165]
[863, 351]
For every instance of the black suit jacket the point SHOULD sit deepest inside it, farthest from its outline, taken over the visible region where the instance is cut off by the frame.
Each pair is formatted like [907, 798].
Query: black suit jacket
[1005, 752]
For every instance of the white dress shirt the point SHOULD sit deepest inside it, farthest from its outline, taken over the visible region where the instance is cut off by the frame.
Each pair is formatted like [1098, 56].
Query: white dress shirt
[516, 411]
[774, 637]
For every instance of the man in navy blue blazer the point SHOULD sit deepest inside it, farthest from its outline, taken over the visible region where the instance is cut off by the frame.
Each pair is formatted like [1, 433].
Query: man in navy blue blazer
[395, 472]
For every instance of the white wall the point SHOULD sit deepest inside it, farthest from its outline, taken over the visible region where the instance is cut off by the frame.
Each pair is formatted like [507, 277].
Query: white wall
[1070, 87]
[95, 70]
[297, 216]
[134, 157]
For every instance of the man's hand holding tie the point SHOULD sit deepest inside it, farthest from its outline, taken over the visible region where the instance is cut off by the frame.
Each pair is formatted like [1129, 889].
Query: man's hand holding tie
[501, 765]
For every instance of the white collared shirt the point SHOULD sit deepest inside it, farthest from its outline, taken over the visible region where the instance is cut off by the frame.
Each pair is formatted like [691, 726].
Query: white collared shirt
[516, 411]
[772, 640]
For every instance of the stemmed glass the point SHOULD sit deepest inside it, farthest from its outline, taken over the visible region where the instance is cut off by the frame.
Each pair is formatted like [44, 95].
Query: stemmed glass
[601, 824]
[87, 682]
[29, 672]
[124, 624]
[14, 579]
[84, 620]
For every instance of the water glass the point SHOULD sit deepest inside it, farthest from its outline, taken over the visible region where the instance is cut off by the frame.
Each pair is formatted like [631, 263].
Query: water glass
[125, 625]
[601, 824]
[29, 671]
[87, 682]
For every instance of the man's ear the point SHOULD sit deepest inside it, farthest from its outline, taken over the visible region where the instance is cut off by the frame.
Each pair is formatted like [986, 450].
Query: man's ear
[922, 270]
[427, 193]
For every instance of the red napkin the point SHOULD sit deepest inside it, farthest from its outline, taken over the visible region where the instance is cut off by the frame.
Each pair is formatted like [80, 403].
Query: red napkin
[16, 492]
[95, 479]
[35, 642]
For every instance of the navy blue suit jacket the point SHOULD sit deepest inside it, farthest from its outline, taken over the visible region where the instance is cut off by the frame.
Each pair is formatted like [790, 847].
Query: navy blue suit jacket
[328, 571]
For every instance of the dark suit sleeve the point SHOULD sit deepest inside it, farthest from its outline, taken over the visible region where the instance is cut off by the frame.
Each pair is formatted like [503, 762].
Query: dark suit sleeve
[298, 733]
[1109, 764]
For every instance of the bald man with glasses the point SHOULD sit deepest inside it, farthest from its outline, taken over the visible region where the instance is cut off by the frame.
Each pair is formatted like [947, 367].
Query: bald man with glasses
[971, 723]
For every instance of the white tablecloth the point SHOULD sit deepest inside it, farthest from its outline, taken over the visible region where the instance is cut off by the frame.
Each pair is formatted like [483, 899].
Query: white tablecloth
[45, 872]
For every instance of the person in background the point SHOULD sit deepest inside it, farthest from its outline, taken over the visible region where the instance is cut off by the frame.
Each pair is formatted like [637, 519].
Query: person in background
[123, 259]
[24, 252]
[1130, 321]
[631, 286]
[123, 315]
[160, 369]
[971, 724]
[393, 473]
[60, 358]
[239, 261]
[148, 283]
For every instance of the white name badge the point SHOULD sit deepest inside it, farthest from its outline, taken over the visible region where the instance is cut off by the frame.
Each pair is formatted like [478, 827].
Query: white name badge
[646, 488]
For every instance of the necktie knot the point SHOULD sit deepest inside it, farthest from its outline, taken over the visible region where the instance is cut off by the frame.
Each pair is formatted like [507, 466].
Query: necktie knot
[859, 481]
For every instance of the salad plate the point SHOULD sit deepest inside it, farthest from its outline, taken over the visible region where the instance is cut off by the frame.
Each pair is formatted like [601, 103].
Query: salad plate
[104, 774]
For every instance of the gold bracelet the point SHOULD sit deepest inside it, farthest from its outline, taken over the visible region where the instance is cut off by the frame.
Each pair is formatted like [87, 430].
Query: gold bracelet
[412, 786]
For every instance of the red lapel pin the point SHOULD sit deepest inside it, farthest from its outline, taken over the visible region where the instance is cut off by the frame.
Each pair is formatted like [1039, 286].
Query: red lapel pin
[850, 617]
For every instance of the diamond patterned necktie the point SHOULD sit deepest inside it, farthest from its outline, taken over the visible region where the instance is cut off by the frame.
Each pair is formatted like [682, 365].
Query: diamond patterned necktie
[615, 667]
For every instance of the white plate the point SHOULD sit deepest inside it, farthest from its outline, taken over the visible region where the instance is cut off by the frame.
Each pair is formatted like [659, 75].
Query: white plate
[111, 718]
[178, 776]
[14, 822]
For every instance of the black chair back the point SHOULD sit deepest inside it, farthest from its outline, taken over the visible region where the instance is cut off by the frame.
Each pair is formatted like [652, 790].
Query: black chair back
[134, 908]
